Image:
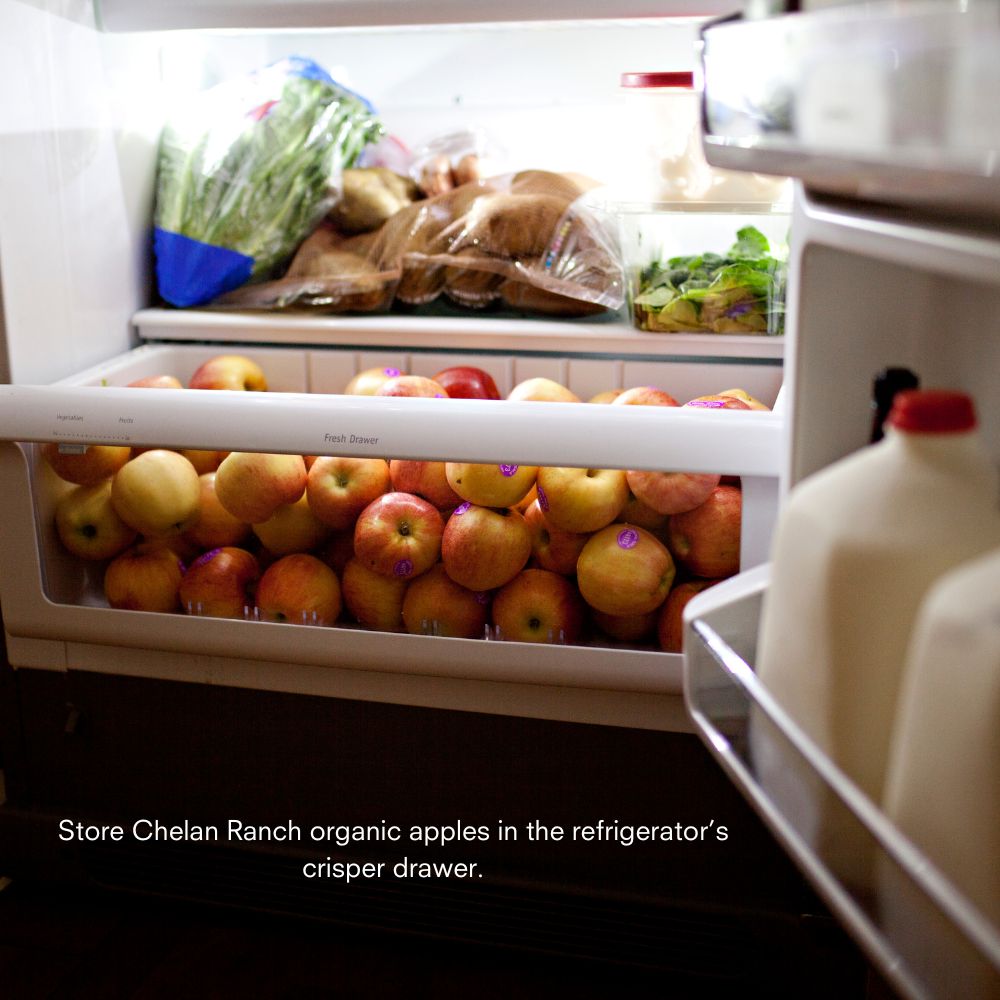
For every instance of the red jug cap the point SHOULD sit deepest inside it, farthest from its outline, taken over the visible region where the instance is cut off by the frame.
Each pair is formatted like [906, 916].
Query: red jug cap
[932, 411]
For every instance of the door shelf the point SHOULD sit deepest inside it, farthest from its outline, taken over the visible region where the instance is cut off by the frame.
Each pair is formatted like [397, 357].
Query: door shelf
[917, 929]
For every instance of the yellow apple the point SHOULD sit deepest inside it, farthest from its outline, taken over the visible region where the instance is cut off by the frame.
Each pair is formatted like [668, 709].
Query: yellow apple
[581, 500]
[543, 390]
[219, 584]
[87, 466]
[157, 493]
[88, 525]
[435, 605]
[293, 527]
[608, 396]
[229, 371]
[204, 461]
[365, 383]
[490, 485]
[253, 485]
[624, 570]
[299, 589]
[339, 489]
[146, 577]
[373, 599]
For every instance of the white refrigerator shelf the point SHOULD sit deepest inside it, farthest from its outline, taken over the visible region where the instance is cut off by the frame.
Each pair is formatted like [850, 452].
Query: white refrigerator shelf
[917, 929]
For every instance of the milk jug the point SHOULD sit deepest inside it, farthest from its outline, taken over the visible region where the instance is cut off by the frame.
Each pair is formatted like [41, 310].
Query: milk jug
[942, 788]
[855, 550]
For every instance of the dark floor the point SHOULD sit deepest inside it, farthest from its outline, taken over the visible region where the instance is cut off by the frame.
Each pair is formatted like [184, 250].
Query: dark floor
[64, 943]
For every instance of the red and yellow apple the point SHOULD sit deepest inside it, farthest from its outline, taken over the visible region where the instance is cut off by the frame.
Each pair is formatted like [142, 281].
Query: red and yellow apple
[671, 492]
[637, 512]
[435, 605]
[544, 390]
[426, 479]
[489, 485]
[88, 524]
[293, 527]
[157, 493]
[203, 460]
[156, 382]
[220, 584]
[538, 606]
[87, 465]
[742, 394]
[552, 548]
[467, 382]
[719, 402]
[608, 396]
[338, 550]
[338, 489]
[624, 570]
[626, 628]
[485, 547]
[706, 540]
[253, 485]
[214, 526]
[581, 500]
[411, 385]
[373, 599]
[229, 371]
[399, 534]
[366, 382]
[670, 617]
[644, 395]
[300, 589]
[146, 577]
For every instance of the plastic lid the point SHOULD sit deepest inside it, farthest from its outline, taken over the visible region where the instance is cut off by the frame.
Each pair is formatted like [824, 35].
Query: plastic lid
[639, 80]
[932, 411]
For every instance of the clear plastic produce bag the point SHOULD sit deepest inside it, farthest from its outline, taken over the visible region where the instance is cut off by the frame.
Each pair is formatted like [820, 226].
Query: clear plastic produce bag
[247, 171]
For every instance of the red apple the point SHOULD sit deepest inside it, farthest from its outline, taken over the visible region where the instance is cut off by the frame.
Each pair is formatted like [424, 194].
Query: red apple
[467, 382]
[435, 605]
[214, 526]
[706, 540]
[157, 493]
[719, 402]
[253, 485]
[552, 548]
[373, 599]
[670, 618]
[145, 577]
[229, 371]
[543, 390]
[484, 547]
[411, 385]
[157, 382]
[399, 534]
[671, 492]
[426, 479]
[85, 465]
[299, 589]
[293, 527]
[365, 383]
[88, 525]
[538, 606]
[489, 485]
[644, 395]
[624, 570]
[581, 500]
[626, 628]
[339, 489]
[220, 583]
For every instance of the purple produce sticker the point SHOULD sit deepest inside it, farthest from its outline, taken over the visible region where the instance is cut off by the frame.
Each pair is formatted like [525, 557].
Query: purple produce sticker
[205, 558]
[391, 372]
[628, 538]
[711, 404]
[543, 500]
[403, 568]
[461, 508]
[508, 470]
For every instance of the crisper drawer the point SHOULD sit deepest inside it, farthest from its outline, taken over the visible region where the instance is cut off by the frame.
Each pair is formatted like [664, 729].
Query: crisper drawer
[492, 590]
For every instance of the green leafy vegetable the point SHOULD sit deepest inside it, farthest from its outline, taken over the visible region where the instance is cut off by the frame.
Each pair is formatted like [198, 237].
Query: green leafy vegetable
[742, 291]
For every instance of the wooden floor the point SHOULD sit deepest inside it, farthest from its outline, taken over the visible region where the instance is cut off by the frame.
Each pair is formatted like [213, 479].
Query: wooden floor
[60, 943]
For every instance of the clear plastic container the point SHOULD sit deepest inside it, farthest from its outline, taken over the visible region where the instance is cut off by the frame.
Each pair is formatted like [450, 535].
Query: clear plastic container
[674, 285]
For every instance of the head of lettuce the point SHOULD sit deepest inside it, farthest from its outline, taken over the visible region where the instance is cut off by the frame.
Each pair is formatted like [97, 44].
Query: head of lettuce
[246, 172]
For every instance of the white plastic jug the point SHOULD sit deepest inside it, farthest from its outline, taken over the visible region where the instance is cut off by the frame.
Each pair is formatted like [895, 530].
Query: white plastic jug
[855, 551]
[942, 786]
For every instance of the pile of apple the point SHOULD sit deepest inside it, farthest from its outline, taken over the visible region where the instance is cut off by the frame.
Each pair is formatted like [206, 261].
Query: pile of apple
[514, 552]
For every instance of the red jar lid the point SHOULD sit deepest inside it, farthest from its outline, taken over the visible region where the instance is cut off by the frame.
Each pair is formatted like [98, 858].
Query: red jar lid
[641, 80]
[932, 411]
